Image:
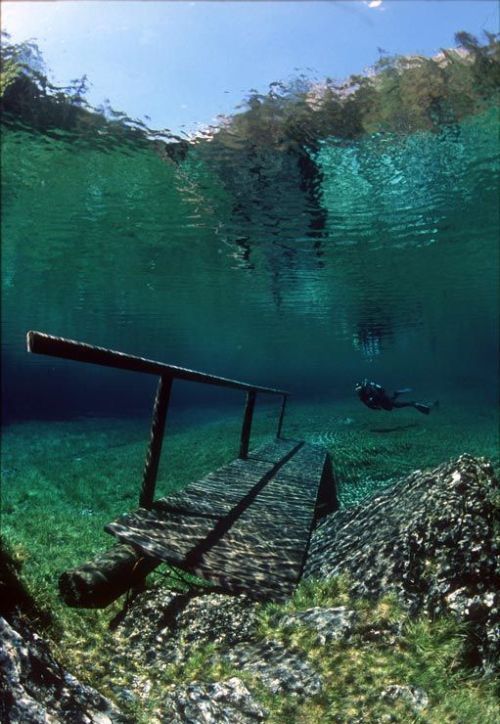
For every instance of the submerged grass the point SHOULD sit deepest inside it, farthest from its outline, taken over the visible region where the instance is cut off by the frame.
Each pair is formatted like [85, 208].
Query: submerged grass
[357, 673]
[63, 481]
[424, 655]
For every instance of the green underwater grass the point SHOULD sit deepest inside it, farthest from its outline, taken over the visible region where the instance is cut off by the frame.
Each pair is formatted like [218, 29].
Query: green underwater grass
[427, 655]
[63, 481]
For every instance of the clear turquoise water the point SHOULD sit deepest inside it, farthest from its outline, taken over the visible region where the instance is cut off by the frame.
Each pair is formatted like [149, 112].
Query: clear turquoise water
[383, 265]
[373, 257]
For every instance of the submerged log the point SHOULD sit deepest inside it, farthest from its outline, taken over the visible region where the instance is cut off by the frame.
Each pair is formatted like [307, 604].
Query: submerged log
[108, 576]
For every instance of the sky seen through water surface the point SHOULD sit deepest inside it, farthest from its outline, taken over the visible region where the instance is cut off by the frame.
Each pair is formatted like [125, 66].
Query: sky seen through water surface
[178, 65]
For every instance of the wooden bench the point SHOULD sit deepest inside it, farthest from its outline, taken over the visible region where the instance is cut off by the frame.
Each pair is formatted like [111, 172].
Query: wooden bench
[244, 527]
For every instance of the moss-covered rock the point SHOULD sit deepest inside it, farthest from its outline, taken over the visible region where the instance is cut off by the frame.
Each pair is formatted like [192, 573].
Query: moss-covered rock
[226, 702]
[433, 539]
[34, 687]
[15, 598]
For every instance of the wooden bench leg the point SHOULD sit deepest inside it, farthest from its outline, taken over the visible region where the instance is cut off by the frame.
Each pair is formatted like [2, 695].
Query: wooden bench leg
[157, 430]
[247, 424]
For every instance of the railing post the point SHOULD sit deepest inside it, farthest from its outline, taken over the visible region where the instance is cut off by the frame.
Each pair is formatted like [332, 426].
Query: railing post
[247, 423]
[157, 429]
[282, 414]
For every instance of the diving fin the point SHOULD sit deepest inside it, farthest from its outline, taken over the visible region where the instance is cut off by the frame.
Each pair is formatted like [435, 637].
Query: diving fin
[422, 408]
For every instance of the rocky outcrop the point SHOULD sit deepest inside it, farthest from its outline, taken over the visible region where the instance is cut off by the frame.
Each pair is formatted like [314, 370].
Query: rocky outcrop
[328, 624]
[225, 702]
[433, 538]
[165, 628]
[416, 698]
[162, 628]
[35, 689]
[281, 669]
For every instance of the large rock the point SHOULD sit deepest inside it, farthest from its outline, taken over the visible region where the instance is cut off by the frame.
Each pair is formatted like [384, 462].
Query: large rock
[281, 669]
[162, 627]
[224, 702]
[432, 538]
[35, 689]
[165, 627]
[328, 624]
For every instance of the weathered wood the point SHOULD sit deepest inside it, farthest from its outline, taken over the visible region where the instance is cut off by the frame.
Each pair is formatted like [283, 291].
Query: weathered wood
[247, 424]
[282, 414]
[155, 444]
[245, 526]
[247, 534]
[40, 343]
[108, 576]
[251, 540]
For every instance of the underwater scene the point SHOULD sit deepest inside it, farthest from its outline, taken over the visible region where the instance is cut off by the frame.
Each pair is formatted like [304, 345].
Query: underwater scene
[326, 239]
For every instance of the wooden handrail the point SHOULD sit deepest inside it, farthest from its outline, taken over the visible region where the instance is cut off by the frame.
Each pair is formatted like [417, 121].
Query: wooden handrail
[40, 343]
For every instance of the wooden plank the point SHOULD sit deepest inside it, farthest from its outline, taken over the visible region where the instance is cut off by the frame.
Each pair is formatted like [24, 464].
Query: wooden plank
[245, 527]
[170, 537]
[196, 503]
[218, 492]
[262, 557]
[231, 484]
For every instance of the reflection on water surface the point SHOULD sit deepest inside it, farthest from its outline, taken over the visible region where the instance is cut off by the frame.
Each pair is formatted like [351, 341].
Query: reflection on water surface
[286, 248]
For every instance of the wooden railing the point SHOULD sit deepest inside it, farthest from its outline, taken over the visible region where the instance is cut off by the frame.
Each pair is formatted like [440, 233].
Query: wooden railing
[40, 343]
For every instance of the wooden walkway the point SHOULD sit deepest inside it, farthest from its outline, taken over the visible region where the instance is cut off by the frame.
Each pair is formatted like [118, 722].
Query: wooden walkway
[244, 527]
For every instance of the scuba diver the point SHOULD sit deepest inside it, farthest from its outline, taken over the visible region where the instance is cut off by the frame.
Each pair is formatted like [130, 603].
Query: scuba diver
[375, 397]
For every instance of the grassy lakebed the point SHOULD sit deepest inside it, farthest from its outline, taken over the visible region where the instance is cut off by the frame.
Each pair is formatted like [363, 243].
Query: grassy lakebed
[63, 481]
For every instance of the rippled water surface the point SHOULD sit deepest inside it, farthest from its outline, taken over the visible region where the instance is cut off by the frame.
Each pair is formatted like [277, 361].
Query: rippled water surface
[374, 257]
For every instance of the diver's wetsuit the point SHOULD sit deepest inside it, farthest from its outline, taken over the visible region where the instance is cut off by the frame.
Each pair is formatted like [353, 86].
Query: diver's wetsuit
[375, 397]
